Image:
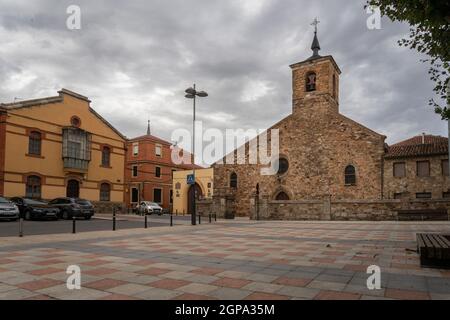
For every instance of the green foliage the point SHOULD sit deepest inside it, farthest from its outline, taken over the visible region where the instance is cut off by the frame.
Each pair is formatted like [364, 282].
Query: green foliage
[429, 22]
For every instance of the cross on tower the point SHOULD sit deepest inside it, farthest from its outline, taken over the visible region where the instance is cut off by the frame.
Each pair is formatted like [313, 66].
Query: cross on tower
[315, 23]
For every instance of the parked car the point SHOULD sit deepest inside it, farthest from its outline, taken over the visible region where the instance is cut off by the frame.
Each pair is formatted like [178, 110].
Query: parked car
[8, 210]
[73, 207]
[34, 209]
[148, 207]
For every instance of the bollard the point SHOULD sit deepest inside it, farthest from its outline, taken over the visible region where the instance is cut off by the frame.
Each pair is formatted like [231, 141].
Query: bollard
[199, 219]
[171, 220]
[114, 219]
[74, 225]
[20, 227]
[145, 219]
[210, 218]
[215, 217]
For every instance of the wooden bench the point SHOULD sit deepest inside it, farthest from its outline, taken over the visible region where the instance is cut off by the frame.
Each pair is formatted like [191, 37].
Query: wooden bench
[434, 250]
[423, 215]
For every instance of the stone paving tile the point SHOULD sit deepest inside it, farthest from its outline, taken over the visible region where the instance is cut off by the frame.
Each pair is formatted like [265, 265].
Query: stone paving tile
[334, 295]
[296, 282]
[158, 294]
[198, 288]
[16, 294]
[168, 284]
[406, 294]
[104, 284]
[231, 283]
[229, 294]
[262, 287]
[261, 277]
[38, 284]
[298, 292]
[326, 285]
[61, 292]
[192, 297]
[130, 289]
[265, 296]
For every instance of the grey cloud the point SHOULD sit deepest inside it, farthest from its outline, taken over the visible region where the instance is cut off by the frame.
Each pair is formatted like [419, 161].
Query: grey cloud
[135, 58]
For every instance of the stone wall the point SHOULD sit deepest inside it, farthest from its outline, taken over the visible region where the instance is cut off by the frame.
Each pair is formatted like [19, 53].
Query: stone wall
[436, 184]
[324, 210]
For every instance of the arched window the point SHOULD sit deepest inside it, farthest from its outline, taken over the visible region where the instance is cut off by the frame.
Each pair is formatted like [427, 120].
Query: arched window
[283, 166]
[106, 156]
[311, 82]
[105, 192]
[34, 144]
[350, 175]
[282, 196]
[33, 189]
[233, 180]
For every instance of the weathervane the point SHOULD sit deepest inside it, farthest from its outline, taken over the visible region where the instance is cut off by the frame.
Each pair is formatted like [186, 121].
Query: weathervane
[315, 23]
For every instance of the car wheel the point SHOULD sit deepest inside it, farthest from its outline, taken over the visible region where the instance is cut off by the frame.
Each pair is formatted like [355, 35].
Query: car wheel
[87, 217]
[28, 215]
[65, 215]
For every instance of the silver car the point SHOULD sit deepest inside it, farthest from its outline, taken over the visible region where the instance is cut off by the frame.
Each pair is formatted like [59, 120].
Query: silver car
[8, 210]
[148, 207]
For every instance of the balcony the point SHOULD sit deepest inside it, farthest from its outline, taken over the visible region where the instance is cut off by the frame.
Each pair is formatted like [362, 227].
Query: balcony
[76, 149]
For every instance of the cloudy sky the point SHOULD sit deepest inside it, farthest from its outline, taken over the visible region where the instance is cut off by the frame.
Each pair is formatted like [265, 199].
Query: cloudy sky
[134, 59]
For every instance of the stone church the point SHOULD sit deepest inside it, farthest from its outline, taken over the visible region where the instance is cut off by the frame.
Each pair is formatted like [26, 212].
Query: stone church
[323, 154]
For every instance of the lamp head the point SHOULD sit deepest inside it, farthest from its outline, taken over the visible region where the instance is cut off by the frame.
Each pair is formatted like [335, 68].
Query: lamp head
[191, 91]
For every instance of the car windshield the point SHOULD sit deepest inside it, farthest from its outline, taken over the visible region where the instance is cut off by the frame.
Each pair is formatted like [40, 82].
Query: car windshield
[3, 200]
[151, 204]
[83, 202]
[31, 201]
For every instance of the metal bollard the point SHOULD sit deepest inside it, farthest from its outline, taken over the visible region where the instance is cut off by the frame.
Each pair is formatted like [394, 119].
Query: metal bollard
[114, 219]
[74, 225]
[210, 218]
[21, 227]
[145, 219]
[215, 217]
[199, 219]
[171, 220]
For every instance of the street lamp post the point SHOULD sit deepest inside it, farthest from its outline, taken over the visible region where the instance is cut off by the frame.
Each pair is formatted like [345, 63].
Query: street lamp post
[192, 93]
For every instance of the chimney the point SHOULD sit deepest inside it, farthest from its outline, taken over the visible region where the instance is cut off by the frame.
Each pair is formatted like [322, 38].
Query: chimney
[423, 138]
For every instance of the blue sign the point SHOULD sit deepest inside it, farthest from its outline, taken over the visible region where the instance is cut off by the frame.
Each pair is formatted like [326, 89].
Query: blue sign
[191, 179]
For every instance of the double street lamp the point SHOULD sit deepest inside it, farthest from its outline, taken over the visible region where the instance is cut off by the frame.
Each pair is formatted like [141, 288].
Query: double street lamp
[192, 93]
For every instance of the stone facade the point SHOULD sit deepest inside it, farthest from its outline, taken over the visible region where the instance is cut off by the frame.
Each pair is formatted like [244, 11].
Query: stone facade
[437, 184]
[319, 144]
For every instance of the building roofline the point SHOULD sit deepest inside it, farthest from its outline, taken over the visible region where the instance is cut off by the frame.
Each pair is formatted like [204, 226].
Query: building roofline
[57, 99]
[313, 59]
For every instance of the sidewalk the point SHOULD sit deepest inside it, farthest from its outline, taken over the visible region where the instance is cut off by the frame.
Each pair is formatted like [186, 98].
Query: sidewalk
[227, 260]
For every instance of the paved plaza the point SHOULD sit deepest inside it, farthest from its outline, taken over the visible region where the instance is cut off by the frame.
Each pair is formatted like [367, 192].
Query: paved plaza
[225, 260]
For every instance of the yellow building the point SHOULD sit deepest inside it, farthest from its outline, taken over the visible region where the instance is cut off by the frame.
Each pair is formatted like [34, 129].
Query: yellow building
[59, 146]
[184, 193]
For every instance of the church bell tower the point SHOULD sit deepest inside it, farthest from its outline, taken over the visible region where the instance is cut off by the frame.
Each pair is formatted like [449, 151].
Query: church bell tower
[316, 77]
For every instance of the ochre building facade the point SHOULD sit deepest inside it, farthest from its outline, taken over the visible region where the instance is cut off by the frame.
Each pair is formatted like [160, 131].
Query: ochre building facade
[59, 146]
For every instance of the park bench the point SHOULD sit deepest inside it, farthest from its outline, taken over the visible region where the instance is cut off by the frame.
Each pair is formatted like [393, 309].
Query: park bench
[434, 250]
[423, 215]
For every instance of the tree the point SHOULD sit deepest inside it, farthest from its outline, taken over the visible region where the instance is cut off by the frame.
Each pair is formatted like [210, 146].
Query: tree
[429, 34]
